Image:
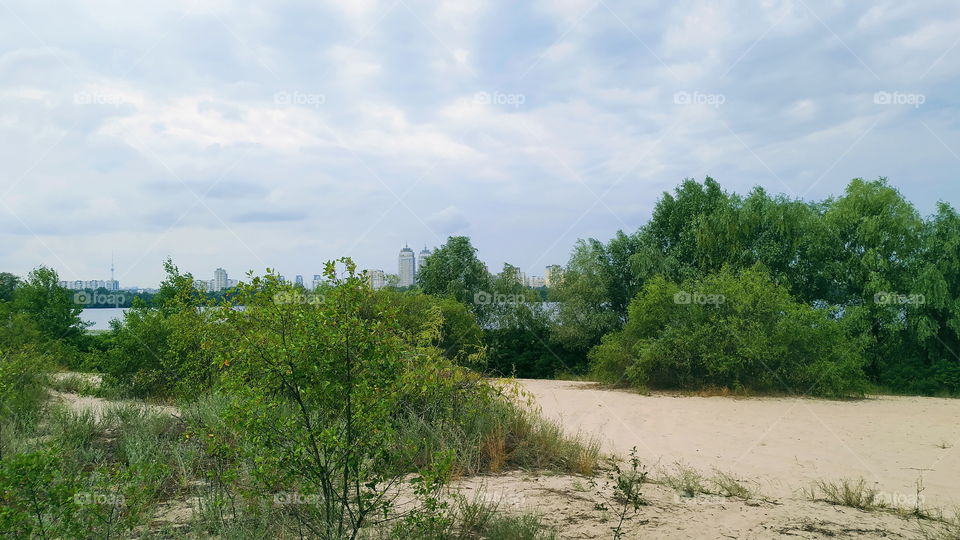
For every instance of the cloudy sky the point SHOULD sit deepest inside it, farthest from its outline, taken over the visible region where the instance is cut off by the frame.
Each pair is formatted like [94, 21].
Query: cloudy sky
[287, 133]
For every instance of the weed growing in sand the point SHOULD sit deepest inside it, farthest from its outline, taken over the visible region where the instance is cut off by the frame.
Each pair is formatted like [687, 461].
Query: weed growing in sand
[477, 518]
[687, 481]
[941, 528]
[730, 486]
[76, 383]
[855, 494]
[944, 445]
[626, 485]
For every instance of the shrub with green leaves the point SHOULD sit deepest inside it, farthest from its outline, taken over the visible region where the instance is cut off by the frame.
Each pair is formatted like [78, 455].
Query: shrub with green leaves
[22, 391]
[740, 331]
[166, 350]
[460, 338]
[316, 386]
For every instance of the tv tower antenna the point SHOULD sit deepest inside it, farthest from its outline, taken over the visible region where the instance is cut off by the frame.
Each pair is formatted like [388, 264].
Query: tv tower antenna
[111, 268]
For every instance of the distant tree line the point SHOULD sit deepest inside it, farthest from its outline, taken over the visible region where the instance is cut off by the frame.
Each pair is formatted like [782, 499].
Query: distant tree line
[751, 293]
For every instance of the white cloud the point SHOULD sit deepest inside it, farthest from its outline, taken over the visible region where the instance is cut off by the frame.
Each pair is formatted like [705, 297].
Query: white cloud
[185, 149]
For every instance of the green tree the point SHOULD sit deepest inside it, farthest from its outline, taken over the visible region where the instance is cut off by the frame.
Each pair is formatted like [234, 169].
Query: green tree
[873, 251]
[168, 348]
[51, 307]
[454, 271]
[8, 284]
[519, 335]
[927, 361]
[733, 330]
[316, 387]
[460, 338]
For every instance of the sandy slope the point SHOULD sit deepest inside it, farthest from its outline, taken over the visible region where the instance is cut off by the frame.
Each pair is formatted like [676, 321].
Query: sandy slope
[775, 440]
[568, 504]
[784, 444]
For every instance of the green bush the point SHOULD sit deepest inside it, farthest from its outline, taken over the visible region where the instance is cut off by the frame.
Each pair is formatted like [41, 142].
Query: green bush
[460, 338]
[22, 392]
[739, 331]
[166, 350]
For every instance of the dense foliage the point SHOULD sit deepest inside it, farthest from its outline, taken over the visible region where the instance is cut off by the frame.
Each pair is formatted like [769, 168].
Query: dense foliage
[865, 259]
[734, 331]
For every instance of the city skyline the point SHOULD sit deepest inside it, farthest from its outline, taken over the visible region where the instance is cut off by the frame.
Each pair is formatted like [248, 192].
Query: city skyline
[220, 280]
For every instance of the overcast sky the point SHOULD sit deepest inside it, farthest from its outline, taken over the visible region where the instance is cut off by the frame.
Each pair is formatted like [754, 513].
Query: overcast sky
[288, 133]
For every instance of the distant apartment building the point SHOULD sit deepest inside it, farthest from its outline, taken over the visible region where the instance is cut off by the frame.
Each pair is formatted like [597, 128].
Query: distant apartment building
[220, 280]
[422, 258]
[535, 282]
[78, 285]
[317, 281]
[203, 285]
[298, 280]
[408, 267]
[519, 276]
[377, 279]
[553, 275]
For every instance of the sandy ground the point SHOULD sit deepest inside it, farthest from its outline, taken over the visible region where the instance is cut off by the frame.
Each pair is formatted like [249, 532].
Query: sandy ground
[783, 444]
[776, 445]
[96, 405]
[568, 503]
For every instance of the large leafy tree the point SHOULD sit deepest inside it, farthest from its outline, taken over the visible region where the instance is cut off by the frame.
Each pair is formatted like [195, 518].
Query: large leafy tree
[52, 308]
[590, 296]
[460, 338]
[519, 337]
[8, 283]
[454, 271]
[873, 243]
[928, 360]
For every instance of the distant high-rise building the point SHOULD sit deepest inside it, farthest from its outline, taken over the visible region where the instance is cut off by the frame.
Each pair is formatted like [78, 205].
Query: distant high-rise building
[317, 281]
[203, 285]
[298, 279]
[553, 275]
[408, 267]
[377, 279]
[422, 257]
[220, 280]
[535, 282]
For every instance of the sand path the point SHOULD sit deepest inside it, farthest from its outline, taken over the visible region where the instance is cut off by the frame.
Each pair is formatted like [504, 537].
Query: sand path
[783, 444]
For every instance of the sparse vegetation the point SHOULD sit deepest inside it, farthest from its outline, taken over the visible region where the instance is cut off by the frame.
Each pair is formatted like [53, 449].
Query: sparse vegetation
[333, 404]
[852, 493]
[624, 486]
[685, 480]
[730, 486]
